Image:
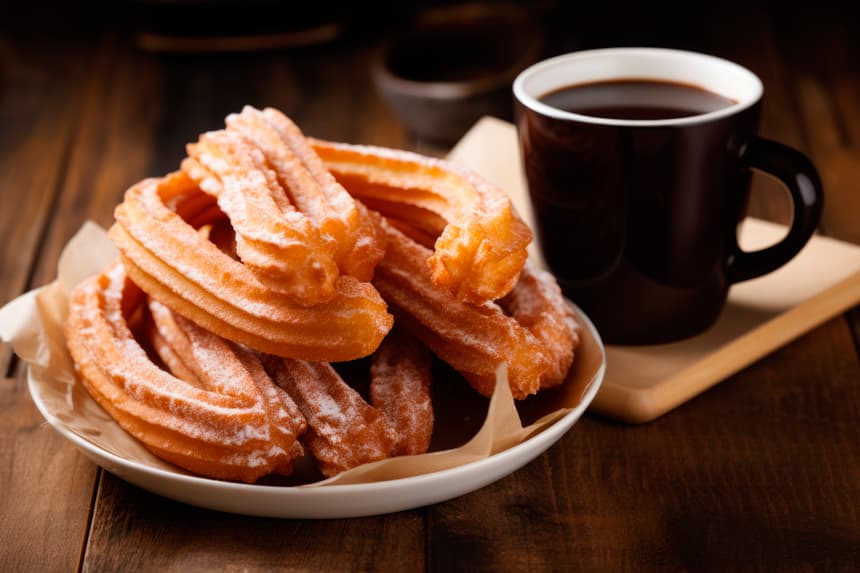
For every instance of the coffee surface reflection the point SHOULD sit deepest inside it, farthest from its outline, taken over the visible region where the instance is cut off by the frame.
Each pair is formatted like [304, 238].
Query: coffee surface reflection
[636, 99]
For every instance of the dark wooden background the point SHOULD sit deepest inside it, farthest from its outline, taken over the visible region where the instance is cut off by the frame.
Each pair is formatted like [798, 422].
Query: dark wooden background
[761, 473]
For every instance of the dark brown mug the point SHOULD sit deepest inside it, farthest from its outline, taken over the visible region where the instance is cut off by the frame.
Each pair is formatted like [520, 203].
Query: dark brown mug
[638, 218]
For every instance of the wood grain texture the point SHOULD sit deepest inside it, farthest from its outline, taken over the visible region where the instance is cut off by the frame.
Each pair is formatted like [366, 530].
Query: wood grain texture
[754, 46]
[101, 161]
[821, 81]
[46, 487]
[134, 530]
[42, 95]
[753, 474]
[110, 150]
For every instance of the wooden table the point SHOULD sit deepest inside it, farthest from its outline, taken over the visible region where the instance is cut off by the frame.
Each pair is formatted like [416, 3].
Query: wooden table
[762, 472]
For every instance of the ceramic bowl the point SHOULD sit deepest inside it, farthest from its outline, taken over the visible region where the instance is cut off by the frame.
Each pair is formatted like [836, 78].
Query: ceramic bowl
[455, 65]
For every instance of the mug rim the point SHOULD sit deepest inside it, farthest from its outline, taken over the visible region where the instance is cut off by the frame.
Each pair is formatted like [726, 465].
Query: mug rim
[532, 102]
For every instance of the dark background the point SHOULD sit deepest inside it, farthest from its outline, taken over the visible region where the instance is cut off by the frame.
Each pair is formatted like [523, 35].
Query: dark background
[802, 32]
[569, 25]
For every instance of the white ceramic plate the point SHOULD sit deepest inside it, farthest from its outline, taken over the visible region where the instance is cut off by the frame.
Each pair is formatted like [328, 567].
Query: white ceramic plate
[336, 501]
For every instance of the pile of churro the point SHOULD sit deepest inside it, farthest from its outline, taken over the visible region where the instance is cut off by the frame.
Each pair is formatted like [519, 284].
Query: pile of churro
[267, 256]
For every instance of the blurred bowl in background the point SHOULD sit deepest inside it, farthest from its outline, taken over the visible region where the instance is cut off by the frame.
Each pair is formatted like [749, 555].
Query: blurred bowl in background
[454, 65]
[232, 26]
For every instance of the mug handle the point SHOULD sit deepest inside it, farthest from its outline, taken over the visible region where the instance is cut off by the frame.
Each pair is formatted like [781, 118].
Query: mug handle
[797, 173]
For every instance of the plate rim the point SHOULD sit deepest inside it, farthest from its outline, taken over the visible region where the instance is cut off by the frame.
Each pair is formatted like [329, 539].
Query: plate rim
[536, 445]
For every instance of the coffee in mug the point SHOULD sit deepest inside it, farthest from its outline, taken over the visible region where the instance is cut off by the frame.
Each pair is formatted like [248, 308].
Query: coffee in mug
[638, 167]
[636, 99]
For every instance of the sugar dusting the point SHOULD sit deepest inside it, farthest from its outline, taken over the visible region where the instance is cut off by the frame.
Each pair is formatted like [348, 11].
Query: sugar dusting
[343, 430]
[228, 420]
[482, 228]
[164, 233]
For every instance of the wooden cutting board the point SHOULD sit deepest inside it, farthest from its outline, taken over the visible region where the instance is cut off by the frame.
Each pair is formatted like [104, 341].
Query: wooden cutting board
[644, 382]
